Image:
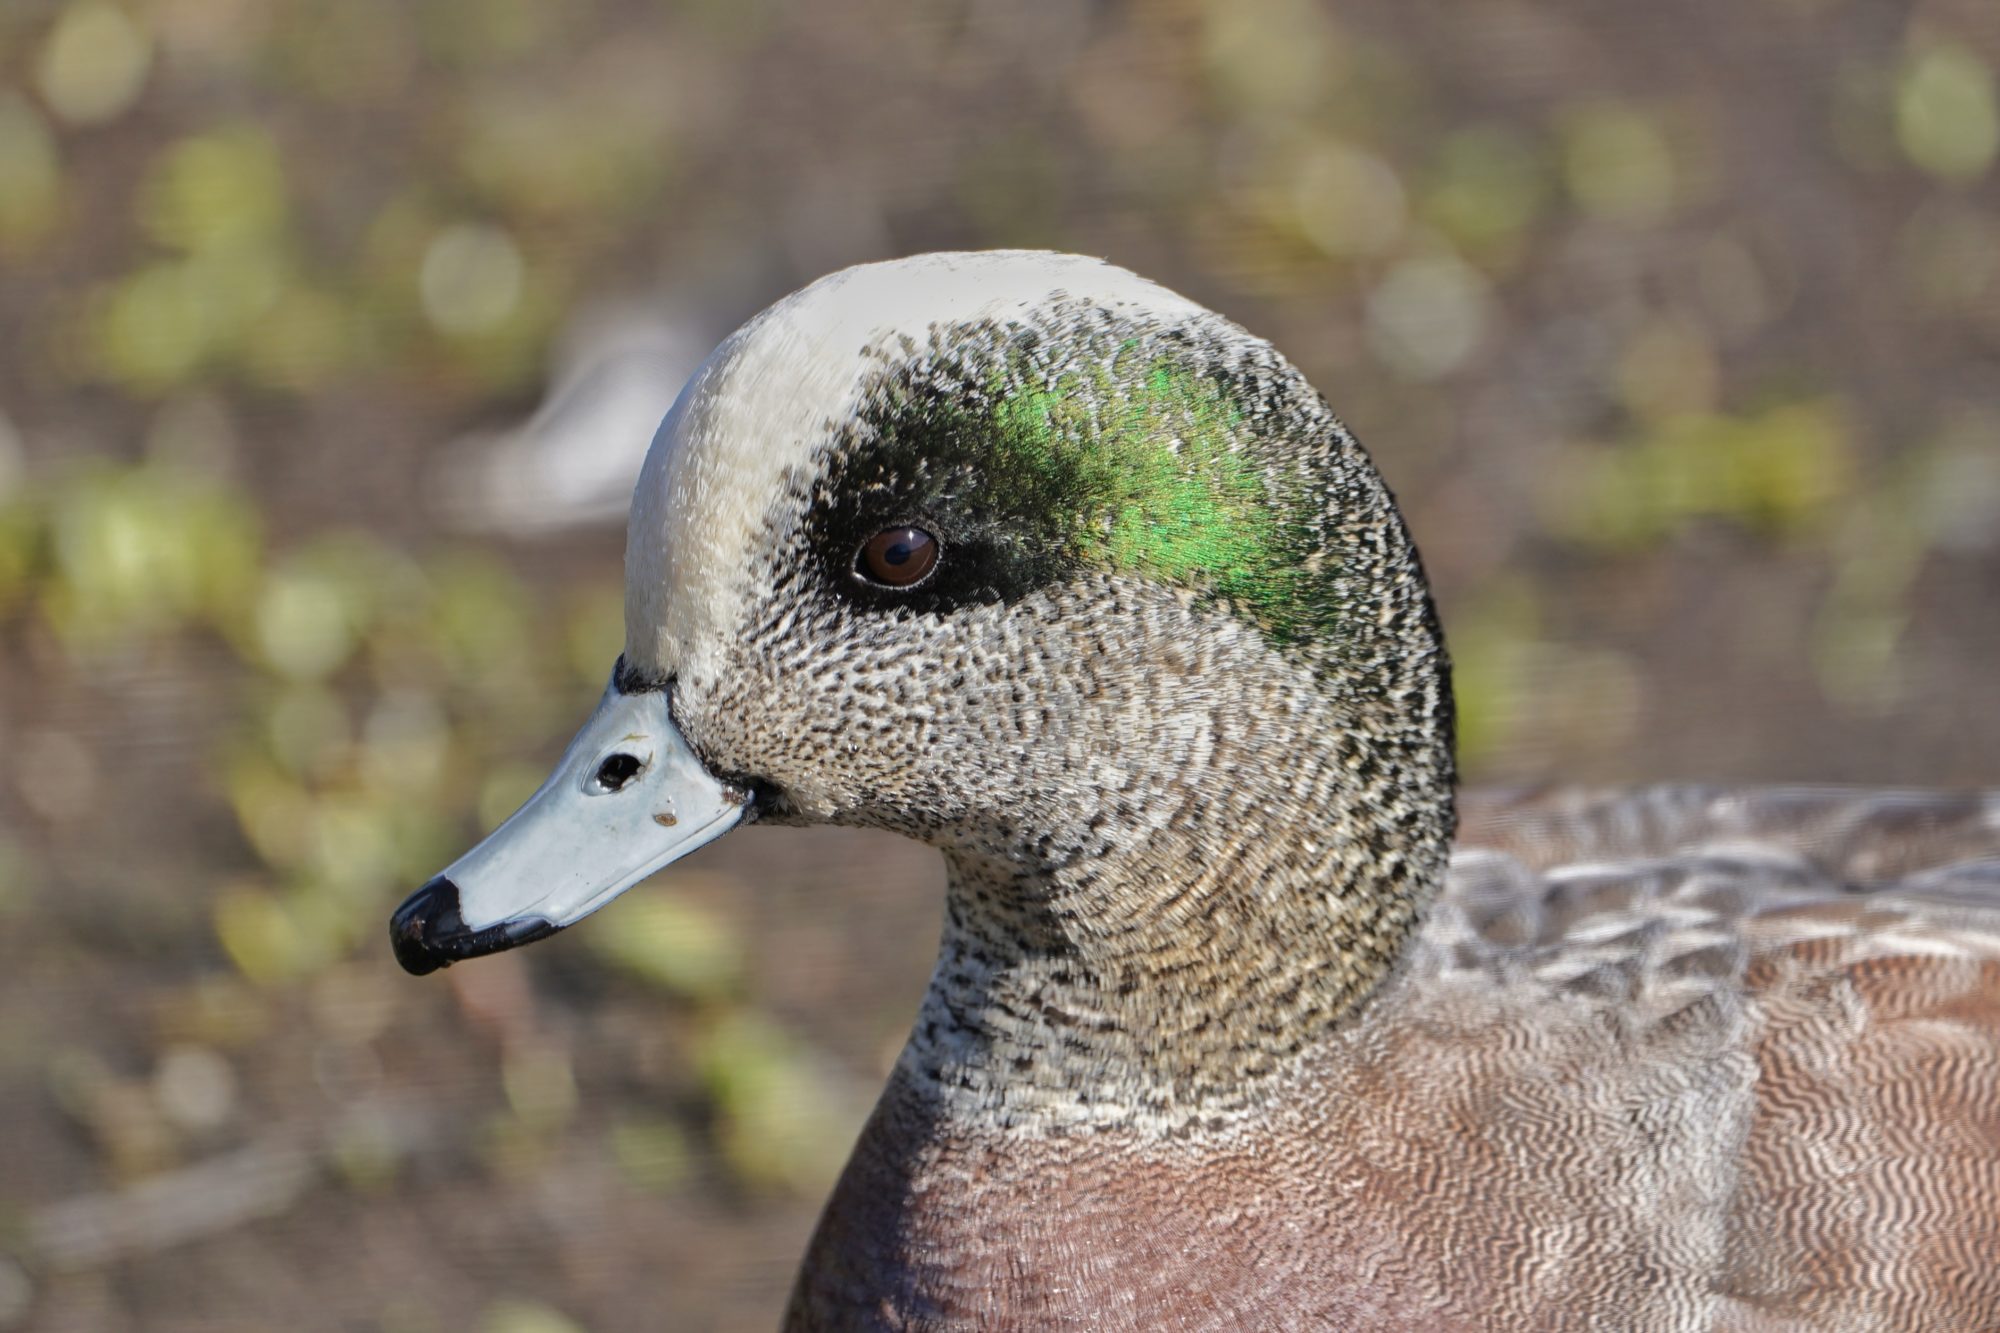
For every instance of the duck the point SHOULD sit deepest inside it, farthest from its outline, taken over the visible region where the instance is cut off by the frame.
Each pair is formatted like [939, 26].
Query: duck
[1242, 1016]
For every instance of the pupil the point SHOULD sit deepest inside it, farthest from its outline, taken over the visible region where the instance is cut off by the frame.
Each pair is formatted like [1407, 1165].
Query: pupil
[899, 553]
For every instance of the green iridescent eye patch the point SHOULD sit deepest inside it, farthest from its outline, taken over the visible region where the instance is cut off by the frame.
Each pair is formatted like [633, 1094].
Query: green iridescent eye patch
[1128, 456]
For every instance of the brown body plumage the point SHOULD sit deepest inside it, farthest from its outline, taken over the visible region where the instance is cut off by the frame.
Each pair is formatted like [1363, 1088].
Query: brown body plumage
[1676, 1060]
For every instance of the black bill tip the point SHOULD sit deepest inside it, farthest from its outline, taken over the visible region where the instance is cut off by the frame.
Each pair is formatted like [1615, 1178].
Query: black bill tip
[428, 933]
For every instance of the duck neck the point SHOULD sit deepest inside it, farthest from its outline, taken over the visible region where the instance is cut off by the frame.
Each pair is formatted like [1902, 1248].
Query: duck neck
[1216, 909]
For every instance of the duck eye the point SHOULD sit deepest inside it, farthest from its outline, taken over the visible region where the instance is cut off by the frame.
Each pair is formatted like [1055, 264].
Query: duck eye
[897, 557]
[617, 770]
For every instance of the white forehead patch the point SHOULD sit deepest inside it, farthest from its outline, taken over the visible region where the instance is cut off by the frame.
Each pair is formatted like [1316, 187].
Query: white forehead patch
[770, 394]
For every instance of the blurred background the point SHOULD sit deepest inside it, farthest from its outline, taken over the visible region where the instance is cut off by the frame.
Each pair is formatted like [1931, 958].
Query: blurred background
[333, 335]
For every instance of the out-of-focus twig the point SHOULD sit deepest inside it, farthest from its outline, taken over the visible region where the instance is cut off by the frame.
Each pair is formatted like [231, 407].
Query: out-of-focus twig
[261, 1180]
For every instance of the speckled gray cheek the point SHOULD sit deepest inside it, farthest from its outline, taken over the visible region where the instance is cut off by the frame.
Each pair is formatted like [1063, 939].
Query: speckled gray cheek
[1110, 763]
[1147, 749]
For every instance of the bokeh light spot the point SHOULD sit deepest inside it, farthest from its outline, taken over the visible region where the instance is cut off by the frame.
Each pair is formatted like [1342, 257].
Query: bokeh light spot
[216, 190]
[1349, 202]
[1618, 164]
[93, 65]
[471, 279]
[1947, 117]
[1427, 316]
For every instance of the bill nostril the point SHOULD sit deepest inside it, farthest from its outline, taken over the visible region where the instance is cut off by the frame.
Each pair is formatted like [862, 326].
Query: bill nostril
[617, 770]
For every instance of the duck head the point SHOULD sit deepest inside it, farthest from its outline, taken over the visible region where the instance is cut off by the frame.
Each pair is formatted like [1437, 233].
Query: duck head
[1034, 560]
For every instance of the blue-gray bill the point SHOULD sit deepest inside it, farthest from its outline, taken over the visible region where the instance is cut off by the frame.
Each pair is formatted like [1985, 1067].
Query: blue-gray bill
[628, 797]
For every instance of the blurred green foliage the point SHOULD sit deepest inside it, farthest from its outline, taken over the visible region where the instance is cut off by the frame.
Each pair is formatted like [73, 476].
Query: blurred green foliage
[652, 1152]
[1947, 114]
[30, 177]
[1618, 164]
[673, 944]
[385, 701]
[773, 1102]
[1774, 471]
[1489, 186]
[234, 292]
[145, 549]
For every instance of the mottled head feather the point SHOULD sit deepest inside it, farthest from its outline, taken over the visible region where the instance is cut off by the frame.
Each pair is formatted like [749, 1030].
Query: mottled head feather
[1174, 704]
[769, 398]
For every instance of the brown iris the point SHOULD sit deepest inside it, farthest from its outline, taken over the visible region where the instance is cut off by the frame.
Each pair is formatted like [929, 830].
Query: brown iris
[897, 557]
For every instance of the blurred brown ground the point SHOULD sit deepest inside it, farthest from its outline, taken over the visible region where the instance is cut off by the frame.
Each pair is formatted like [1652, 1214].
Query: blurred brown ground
[1675, 326]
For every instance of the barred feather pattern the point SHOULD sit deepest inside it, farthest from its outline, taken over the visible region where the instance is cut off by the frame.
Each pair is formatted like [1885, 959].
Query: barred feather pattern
[1678, 1059]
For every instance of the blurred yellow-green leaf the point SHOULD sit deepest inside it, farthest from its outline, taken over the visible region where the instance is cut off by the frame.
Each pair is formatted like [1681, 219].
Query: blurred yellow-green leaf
[355, 846]
[274, 812]
[20, 538]
[320, 602]
[595, 635]
[307, 622]
[366, 1154]
[143, 550]
[1349, 202]
[489, 32]
[1618, 163]
[1947, 114]
[672, 943]
[1490, 185]
[301, 341]
[1271, 56]
[1492, 652]
[504, 789]
[1954, 487]
[583, 154]
[1775, 471]
[652, 1152]
[780, 1126]
[31, 183]
[266, 938]
[308, 730]
[155, 327]
[93, 65]
[172, 322]
[219, 190]
[354, 53]
[479, 624]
